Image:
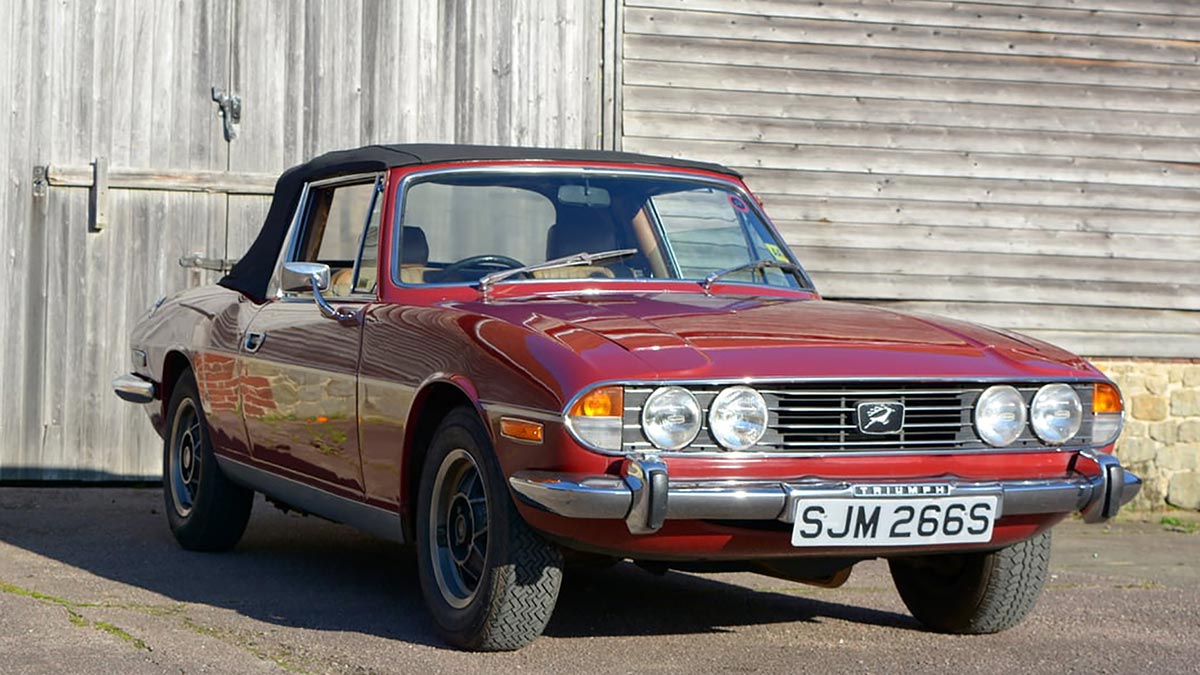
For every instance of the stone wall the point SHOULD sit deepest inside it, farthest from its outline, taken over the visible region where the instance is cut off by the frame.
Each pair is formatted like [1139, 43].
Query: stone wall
[1161, 442]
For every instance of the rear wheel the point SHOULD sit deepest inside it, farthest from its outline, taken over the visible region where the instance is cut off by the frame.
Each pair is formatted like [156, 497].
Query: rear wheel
[206, 511]
[489, 580]
[974, 593]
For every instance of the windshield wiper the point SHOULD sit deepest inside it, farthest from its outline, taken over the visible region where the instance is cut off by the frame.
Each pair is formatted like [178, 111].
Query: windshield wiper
[756, 265]
[489, 280]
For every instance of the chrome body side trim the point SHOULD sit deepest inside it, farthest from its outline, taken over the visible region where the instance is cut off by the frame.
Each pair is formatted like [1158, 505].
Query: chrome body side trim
[134, 388]
[645, 497]
[379, 522]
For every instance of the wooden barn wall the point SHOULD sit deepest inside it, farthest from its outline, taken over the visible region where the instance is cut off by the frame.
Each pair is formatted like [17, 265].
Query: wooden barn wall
[1030, 164]
[130, 81]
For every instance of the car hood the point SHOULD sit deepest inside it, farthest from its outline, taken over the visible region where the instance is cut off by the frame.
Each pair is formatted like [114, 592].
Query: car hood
[680, 334]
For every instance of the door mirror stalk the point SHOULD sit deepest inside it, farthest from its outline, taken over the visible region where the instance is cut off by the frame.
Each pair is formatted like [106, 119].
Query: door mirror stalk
[304, 277]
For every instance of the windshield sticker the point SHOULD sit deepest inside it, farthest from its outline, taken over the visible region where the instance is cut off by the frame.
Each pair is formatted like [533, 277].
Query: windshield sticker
[738, 204]
[777, 252]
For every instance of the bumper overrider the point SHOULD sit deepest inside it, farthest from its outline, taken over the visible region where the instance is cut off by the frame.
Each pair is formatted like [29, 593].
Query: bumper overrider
[645, 497]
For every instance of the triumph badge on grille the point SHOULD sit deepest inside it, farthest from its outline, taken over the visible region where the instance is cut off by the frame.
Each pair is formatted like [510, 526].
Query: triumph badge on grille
[880, 417]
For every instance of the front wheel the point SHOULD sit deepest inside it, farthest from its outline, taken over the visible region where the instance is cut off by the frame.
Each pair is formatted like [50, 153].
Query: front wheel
[489, 580]
[974, 593]
[206, 511]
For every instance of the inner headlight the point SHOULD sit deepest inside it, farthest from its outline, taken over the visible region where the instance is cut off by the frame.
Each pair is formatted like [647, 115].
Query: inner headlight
[1056, 413]
[738, 418]
[671, 418]
[1000, 415]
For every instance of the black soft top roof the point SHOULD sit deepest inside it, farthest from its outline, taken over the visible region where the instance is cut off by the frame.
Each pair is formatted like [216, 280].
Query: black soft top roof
[252, 274]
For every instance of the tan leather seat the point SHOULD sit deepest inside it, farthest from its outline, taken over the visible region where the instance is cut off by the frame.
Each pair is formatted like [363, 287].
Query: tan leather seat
[340, 282]
[587, 231]
[414, 255]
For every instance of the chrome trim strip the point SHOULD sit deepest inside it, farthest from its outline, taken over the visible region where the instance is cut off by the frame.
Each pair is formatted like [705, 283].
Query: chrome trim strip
[134, 388]
[632, 498]
[379, 522]
[508, 409]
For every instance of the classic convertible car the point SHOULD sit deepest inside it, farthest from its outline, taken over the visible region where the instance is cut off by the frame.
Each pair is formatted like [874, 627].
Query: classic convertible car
[523, 358]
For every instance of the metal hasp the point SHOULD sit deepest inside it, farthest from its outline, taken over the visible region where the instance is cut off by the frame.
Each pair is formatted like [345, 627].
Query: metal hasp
[41, 180]
[198, 261]
[98, 211]
[230, 106]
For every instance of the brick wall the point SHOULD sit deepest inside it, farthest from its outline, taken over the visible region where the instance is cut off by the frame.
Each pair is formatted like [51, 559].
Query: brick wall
[1161, 442]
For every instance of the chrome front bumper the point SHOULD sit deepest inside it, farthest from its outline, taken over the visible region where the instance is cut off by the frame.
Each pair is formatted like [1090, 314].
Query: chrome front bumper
[645, 497]
[134, 388]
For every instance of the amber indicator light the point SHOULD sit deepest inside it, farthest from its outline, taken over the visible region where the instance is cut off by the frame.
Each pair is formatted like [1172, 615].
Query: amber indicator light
[522, 430]
[1106, 399]
[601, 402]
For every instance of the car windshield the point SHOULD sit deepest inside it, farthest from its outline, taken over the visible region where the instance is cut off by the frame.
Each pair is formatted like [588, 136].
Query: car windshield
[458, 228]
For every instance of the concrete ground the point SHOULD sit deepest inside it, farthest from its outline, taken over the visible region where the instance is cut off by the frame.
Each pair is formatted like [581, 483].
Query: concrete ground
[92, 582]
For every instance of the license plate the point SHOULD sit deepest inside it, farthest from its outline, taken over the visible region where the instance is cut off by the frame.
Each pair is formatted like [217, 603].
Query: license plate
[908, 521]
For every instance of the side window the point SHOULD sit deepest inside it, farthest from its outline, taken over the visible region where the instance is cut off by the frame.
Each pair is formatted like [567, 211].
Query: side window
[337, 215]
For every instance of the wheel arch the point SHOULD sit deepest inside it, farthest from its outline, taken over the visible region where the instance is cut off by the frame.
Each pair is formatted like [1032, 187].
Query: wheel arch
[175, 363]
[434, 400]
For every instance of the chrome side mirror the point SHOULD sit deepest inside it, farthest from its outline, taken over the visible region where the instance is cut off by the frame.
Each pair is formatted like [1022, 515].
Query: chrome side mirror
[306, 277]
[303, 277]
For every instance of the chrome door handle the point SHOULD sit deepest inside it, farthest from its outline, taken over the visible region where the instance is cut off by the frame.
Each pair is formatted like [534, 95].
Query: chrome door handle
[254, 341]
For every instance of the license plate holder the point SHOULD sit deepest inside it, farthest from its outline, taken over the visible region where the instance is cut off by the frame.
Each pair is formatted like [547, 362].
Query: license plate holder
[870, 521]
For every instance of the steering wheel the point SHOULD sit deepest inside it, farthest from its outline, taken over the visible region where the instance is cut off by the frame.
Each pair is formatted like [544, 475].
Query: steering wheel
[485, 260]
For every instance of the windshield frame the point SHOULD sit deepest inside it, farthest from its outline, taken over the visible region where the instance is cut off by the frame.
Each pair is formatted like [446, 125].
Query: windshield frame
[397, 226]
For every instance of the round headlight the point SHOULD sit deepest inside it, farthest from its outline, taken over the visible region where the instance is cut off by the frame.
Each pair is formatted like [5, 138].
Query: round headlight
[671, 418]
[1000, 415]
[1056, 413]
[738, 418]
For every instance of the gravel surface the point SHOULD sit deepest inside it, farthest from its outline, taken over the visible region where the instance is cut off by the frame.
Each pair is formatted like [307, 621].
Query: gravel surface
[92, 582]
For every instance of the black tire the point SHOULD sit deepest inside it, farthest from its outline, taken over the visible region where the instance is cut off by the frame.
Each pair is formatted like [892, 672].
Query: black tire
[491, 588]
[974, 593]
[206, 511]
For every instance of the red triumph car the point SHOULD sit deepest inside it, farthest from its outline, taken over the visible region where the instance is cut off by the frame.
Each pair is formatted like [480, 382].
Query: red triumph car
[517, 358]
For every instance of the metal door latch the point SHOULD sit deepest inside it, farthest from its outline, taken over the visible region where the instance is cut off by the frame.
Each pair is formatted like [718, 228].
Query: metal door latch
[230, 106]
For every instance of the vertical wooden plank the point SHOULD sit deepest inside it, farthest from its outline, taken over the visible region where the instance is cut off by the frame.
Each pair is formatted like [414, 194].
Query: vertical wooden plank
[611, 89]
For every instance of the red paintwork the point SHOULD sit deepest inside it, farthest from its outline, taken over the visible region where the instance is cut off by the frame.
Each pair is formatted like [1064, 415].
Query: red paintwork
[535, 344]
[699, 540]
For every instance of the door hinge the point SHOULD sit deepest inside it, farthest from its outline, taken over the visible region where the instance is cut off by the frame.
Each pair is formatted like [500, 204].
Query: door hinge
[230, 109]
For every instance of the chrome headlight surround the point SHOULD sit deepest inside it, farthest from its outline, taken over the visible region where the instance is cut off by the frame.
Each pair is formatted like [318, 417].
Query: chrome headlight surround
[1056, 413]
[671, 418]
[738, 418]
[1000, 415]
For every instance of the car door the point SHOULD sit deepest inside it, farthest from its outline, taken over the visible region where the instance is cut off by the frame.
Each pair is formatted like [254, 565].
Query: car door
[299, 368]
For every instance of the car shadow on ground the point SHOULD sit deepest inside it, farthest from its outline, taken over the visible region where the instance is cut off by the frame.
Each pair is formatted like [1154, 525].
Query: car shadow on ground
[304, 572]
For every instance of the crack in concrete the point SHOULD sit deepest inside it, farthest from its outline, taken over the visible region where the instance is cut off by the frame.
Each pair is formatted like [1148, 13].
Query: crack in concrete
[77, 618]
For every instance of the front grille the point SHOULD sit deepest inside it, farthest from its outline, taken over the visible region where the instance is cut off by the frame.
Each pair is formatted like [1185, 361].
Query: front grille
[822, 417]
